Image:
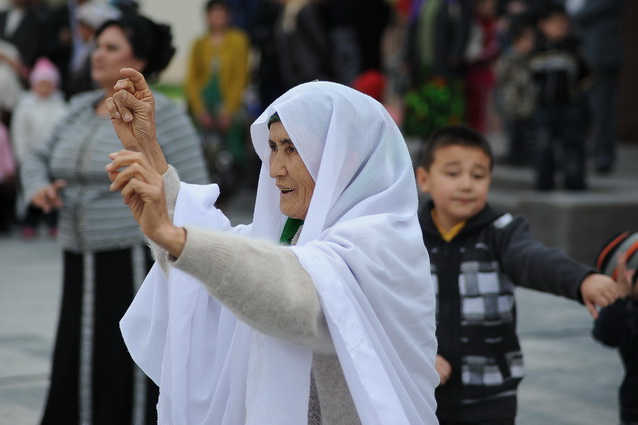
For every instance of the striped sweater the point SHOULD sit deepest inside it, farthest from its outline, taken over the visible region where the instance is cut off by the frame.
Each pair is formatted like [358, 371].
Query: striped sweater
[93, 218]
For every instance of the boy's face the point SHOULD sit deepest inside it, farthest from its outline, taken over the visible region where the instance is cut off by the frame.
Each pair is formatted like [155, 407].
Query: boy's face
[555, 27]
[458, 182]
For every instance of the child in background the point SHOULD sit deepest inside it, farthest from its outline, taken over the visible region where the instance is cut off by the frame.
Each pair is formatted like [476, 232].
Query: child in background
[480, 54]
[516, 93]
[617, 324]
[36, 114]
[561, 76]
[477, 256]
[7, 181]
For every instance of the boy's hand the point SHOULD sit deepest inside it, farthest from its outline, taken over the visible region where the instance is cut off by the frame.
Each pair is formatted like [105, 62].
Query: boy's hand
[443, 368]
[599, 290]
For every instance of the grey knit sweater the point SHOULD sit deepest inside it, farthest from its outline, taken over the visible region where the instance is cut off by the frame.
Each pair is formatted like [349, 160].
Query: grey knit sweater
[266, 287]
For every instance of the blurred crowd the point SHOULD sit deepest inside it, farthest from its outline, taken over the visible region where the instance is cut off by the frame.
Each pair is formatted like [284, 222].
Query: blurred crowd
[543, 71]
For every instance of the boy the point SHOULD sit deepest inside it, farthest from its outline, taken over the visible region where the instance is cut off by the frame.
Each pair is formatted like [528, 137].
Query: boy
[560, 76]
[477, 255]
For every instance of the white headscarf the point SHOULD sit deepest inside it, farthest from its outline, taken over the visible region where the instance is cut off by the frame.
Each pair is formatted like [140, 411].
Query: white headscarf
[362, 246]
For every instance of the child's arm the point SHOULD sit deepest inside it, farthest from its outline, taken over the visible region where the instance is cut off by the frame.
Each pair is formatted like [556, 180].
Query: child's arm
[532, 264]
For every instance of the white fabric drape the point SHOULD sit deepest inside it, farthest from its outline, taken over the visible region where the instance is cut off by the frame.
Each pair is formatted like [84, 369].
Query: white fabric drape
[361, 244]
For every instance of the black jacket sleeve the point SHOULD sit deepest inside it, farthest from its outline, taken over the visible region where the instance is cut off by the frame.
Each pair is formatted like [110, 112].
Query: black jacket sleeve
[531, 264]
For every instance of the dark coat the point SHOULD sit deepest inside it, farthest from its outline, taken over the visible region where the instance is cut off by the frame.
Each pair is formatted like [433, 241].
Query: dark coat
[600, 25]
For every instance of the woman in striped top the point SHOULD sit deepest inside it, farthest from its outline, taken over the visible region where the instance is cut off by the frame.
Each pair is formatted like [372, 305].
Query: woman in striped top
[93, 379]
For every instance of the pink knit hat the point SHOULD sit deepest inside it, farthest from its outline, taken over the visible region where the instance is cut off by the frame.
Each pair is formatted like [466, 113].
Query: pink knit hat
[44, 69]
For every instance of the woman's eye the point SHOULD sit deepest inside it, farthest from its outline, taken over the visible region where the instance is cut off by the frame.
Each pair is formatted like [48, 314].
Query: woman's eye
[272, 146]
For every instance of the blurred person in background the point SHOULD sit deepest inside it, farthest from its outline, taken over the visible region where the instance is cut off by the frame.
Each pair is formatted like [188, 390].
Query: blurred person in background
[22, 25]
[516, 94]
[37, 113]
[216, 78]
[7, 182]
[561, 76]
[481, 52]
[599, 23]
[302, 42]
[105, 258]
[90, 16]
[617, 324]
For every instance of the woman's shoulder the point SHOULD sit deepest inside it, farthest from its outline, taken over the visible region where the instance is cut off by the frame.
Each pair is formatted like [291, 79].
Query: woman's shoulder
[163, 103]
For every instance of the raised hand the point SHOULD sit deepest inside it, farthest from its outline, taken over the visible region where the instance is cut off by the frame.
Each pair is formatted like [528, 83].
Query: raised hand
[142, 188]
[132, 112]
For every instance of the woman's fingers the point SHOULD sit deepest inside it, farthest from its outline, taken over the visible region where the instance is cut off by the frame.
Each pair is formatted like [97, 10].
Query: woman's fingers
[124, 103]
[136, 78]
[129, 165]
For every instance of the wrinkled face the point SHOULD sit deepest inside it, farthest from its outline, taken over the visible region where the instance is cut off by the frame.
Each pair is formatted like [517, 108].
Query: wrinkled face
[458, 182]
[292, 178]
[112, 53]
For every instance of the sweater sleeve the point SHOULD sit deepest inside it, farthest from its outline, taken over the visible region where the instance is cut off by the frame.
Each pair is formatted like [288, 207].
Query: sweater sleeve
[531, 264]
[34, 171]
[171, 189]
[262, 284]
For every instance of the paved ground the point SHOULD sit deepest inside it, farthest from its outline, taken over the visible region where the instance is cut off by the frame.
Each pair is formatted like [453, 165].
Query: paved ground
[570, 378]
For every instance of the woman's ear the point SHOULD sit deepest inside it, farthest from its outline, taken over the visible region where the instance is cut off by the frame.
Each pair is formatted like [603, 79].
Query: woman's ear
[422, 179]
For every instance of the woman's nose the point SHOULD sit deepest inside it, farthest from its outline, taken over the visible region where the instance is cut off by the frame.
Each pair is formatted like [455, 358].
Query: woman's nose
[277, 166]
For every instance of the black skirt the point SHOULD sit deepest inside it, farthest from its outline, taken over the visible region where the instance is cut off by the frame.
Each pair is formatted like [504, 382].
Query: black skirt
[93, 378]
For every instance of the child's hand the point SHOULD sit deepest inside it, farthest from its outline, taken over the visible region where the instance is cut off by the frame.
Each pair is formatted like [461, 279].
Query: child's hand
[443, 368]
[599, 290]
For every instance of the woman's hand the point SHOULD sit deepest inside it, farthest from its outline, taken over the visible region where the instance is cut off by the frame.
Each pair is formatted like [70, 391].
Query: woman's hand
[132, 112]
[48, 198]
[142, 188]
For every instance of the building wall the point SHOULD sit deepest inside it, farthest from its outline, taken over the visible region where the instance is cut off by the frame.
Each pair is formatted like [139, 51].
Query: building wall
[187, 21]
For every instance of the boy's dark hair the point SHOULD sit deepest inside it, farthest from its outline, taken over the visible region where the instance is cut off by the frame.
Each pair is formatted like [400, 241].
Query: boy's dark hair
[456, 135]
[552, 10]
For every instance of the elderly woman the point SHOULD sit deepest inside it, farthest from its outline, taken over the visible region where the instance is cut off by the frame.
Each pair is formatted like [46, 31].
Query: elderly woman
[93, 380]
[334, 327]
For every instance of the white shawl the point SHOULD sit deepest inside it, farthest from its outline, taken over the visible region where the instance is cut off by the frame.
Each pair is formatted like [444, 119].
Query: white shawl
[362, 245]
